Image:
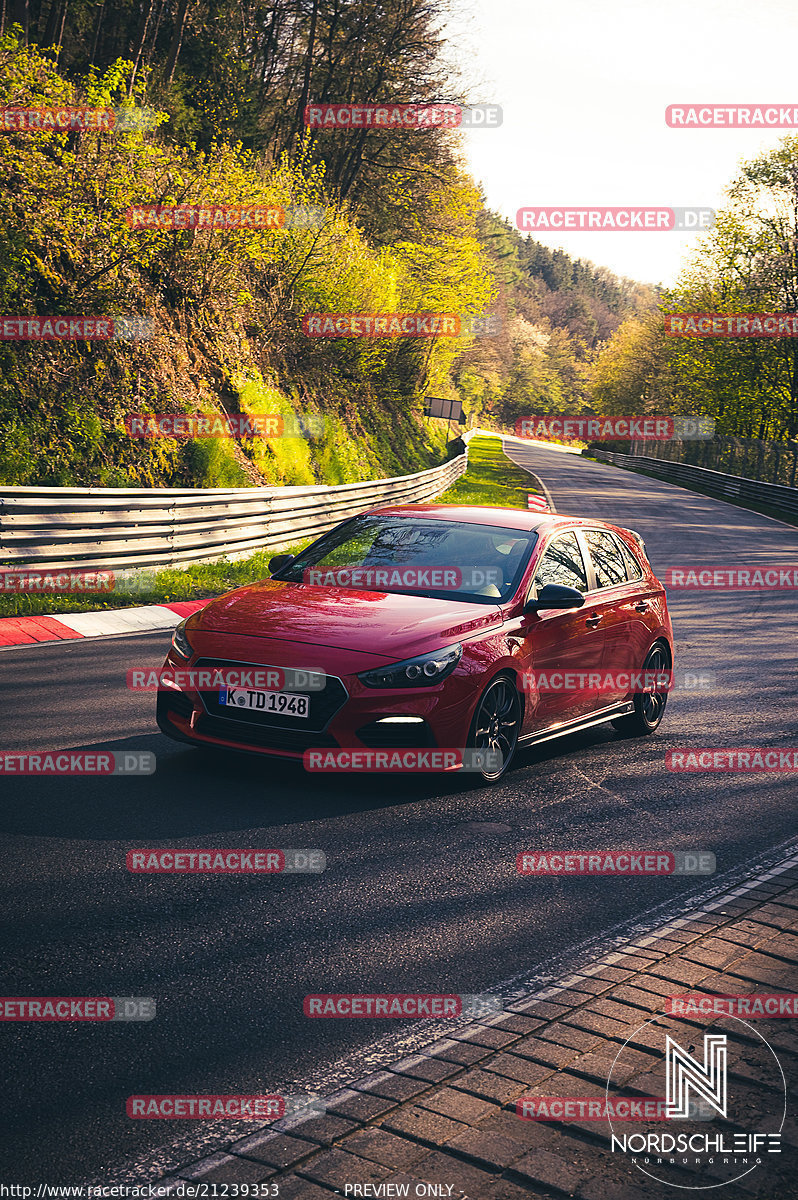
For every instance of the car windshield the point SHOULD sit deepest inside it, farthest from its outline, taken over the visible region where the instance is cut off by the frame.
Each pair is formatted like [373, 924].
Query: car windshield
[422, 557]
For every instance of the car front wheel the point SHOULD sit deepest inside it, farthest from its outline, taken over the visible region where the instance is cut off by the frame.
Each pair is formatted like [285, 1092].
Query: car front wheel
[497, 724]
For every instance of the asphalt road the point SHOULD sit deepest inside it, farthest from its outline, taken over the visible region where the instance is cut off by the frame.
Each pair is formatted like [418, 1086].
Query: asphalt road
[420, 894]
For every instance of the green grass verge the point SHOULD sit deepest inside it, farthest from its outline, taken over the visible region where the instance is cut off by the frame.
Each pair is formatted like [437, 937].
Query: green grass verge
[171, 584]
[491, 479]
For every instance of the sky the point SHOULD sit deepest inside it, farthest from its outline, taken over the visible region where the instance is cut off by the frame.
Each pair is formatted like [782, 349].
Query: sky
[584, 85]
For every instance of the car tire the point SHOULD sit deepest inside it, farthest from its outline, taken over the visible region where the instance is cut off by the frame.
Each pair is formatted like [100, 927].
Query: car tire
[649, 705]
[496, 724]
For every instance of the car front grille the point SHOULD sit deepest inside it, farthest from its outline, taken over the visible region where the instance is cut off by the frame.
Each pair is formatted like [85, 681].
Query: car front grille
[323, 705]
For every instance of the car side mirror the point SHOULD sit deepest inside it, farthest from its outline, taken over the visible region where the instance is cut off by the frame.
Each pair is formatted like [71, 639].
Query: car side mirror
[555, 595]
[279, 561]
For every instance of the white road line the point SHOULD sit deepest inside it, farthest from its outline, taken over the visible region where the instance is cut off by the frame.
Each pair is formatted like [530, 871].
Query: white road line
[537, 479]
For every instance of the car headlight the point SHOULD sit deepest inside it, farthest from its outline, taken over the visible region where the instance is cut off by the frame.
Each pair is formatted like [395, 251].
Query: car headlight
[424, 671]
[180, 643]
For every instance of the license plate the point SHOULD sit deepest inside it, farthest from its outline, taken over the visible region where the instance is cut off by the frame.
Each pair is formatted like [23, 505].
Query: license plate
[289, 704]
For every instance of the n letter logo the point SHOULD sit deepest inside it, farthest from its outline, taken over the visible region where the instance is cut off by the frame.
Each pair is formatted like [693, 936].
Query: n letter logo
[685, 1074]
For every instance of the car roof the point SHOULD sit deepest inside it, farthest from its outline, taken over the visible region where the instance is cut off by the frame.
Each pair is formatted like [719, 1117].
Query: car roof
[506, 518]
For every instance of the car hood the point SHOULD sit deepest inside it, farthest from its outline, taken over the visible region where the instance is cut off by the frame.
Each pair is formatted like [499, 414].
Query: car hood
[382, 623]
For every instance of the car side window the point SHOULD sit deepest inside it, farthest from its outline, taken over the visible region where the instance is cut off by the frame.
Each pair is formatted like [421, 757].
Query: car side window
[562, 563]
[608, 558]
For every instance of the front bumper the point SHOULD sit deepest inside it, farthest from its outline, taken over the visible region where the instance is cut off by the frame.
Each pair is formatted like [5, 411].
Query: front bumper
[344, 715]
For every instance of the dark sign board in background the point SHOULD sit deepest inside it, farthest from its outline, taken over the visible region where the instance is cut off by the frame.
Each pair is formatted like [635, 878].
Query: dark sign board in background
[449, 410]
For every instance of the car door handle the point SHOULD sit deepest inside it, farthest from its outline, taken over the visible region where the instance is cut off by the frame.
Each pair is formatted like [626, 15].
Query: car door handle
[641, 606]
[593, 620]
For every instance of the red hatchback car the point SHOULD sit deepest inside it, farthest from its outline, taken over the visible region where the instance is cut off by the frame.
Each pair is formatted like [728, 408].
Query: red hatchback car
[429, 626]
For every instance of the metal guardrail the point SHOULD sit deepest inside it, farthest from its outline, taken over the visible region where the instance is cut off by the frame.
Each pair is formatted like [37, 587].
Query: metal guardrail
[116, 528]
[777, 496]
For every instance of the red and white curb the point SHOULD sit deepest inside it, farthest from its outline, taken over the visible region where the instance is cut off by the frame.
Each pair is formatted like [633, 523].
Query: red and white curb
[25, 631]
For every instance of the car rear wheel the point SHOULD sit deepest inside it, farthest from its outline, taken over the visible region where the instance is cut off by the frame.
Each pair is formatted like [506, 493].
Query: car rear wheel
[650, 704]
[497, 724]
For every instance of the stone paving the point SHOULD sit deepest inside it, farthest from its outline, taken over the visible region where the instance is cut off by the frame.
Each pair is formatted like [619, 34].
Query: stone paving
[447, 1116]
